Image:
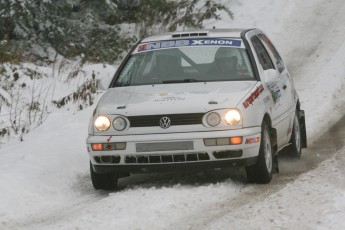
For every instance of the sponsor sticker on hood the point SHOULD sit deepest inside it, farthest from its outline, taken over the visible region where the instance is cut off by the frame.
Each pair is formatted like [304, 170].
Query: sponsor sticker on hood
[168, 97]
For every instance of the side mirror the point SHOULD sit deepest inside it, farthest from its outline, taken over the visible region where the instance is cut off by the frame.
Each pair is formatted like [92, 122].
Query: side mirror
[103, 84]
[270, 75]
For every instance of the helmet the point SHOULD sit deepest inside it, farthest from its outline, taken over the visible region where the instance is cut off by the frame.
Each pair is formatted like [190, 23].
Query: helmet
[226, 60]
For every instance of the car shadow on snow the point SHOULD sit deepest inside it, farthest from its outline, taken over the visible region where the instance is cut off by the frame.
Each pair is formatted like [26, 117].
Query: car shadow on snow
[194, 178]
[83, 183]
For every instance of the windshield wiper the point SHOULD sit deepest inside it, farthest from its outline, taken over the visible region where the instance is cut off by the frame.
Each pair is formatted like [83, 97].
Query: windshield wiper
[180, 81]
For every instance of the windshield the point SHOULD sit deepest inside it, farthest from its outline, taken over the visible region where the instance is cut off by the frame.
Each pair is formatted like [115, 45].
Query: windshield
[185, 64]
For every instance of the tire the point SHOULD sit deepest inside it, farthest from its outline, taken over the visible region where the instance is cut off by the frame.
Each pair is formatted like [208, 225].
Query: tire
[294, 150]
[106, 181]
[261, 171]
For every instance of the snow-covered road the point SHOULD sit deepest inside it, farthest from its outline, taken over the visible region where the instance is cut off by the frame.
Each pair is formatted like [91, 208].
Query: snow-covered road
[44, 181]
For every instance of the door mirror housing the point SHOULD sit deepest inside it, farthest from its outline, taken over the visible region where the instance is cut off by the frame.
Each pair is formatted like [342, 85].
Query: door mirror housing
[103, 84]
[270, 75]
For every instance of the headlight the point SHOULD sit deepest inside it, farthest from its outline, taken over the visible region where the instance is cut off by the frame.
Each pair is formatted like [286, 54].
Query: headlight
[119, 123]
[102, 123]
[233, 117]
[213, 119]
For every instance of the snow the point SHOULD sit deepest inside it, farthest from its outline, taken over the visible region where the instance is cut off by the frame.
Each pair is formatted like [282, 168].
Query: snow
[315, 201]
[45, 184]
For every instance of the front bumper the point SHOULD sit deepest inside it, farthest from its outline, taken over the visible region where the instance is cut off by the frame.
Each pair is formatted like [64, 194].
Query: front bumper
[190, 166]
[174, 151]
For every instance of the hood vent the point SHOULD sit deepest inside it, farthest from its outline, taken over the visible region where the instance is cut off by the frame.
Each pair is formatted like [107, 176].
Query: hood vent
[184, 35]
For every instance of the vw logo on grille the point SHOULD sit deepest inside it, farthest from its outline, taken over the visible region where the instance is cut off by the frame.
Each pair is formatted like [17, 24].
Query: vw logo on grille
[165, 122]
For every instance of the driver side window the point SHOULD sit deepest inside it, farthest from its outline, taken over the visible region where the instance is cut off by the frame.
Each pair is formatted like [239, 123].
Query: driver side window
[276, 57]
[262, 54]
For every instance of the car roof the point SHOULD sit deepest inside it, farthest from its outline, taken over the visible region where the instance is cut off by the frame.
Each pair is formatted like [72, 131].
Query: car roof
[210, 33]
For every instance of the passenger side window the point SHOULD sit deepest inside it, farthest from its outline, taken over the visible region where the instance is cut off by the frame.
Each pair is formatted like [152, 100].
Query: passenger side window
[263, 56]
[278, 60]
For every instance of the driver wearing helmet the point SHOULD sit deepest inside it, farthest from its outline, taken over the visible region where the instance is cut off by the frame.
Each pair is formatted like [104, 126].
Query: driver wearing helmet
[225, 62]
[168, 65]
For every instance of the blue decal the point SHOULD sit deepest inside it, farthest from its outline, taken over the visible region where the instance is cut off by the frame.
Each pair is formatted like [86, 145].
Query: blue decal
[215, 42]
[188, 42]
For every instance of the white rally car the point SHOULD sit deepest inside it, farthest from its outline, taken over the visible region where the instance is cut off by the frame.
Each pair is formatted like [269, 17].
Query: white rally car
[196, 100]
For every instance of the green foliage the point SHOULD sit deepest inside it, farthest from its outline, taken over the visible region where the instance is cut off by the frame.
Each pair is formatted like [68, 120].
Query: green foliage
[172, 14]
[83, 95]
[91, 29]
[11, 57]
[106, 45]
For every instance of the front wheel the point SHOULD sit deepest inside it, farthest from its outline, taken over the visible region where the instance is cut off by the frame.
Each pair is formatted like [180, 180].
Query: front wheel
[261, 172]
[107, 181]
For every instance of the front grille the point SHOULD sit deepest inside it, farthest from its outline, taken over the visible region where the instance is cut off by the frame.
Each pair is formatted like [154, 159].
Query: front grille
[176, 119]
[166, 158]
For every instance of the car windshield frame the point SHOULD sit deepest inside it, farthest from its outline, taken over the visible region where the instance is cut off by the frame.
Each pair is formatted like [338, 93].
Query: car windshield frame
[150, 65]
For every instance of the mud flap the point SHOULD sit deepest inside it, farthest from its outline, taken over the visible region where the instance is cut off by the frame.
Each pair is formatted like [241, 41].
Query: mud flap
[275, 149]
[275, 164]
[303, 129]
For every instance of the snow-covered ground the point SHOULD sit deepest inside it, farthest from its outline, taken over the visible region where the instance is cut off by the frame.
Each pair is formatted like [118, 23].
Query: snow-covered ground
[44, 180]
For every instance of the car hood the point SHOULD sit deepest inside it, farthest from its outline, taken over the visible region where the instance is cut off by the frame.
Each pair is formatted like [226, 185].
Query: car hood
[197, 97]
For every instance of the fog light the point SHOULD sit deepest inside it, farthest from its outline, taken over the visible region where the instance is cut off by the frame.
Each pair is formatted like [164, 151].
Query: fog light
[108, 146]
[97, 147]
[223, 141]
[235, 140]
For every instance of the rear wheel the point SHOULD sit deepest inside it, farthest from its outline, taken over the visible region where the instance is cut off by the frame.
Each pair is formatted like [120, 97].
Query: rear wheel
[107, 181]
[261, 172]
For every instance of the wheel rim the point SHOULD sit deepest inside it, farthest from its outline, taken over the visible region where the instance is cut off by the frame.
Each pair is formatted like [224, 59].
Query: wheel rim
[267, 151]
[297, 134]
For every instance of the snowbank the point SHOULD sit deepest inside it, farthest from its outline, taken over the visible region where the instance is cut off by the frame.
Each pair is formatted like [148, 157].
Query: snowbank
[44, 181]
